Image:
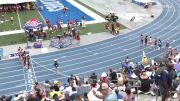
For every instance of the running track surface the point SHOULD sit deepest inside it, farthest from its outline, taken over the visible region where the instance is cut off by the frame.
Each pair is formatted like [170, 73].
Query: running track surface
[96, 57]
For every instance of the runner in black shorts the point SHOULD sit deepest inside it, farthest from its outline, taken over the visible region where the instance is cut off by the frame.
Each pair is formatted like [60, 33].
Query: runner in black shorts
[146, 40]
[141, 38]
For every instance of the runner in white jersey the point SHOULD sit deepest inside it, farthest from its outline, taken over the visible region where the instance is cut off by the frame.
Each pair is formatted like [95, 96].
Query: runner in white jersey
[150, 41]
[141, 38]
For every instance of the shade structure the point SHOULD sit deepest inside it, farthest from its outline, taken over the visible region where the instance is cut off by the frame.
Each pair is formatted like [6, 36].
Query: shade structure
[33, 24]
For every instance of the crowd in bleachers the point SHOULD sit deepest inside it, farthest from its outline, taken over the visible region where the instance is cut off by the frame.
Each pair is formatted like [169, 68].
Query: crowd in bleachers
[160, 77]
[16, 7]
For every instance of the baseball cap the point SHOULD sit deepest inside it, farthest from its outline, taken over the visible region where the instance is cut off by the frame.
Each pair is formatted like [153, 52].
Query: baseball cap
[55, 82]
[103, 86]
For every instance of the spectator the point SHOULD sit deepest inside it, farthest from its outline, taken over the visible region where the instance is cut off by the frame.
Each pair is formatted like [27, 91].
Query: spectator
[104, 78]
[16, 98]
[3, 98]
[66, 97]
[12, 20]
[55, 97]
[9, 98]
[78, 38]
[47, 87]
[107, 94]
[163, 79]
[178, 90]
[93, 78]
[55, 91]
[119, 96]
[129, 96]
[31, 97]
[113, 76]
[78, 98]
[39, 95]
[73, 94]
[112, 86]
[86, 97]
[145, 82]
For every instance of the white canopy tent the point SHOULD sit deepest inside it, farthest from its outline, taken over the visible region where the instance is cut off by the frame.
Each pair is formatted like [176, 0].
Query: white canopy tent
[2, 2]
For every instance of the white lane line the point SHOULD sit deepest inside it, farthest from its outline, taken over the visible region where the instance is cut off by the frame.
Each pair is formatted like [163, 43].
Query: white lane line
[132, 34]
[12, 81]
[49, 69]
[126, 44]
[104, 57]
[6, 77]
[19, 20]
[10, 71]
[128, 36]
[115, 52]
[119, 38]
[86, 49]
[99, 63]
[10, 67]
[13, 88]
[90, 71]
[8, 62]
[34, 72]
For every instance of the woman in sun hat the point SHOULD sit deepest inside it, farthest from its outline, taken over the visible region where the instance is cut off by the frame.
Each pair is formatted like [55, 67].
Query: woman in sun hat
[104, 78]
[145, 81]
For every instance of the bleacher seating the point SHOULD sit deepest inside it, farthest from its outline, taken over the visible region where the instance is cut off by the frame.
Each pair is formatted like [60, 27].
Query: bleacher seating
[55, 42]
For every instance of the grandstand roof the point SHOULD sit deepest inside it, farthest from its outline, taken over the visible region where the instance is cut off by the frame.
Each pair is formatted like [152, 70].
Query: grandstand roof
[15, 1]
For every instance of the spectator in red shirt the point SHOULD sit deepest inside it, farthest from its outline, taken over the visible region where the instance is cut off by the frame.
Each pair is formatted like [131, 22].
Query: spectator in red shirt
[78, 38]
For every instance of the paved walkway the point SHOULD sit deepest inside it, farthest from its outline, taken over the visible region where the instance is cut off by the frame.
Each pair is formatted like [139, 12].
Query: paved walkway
[124, 9]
